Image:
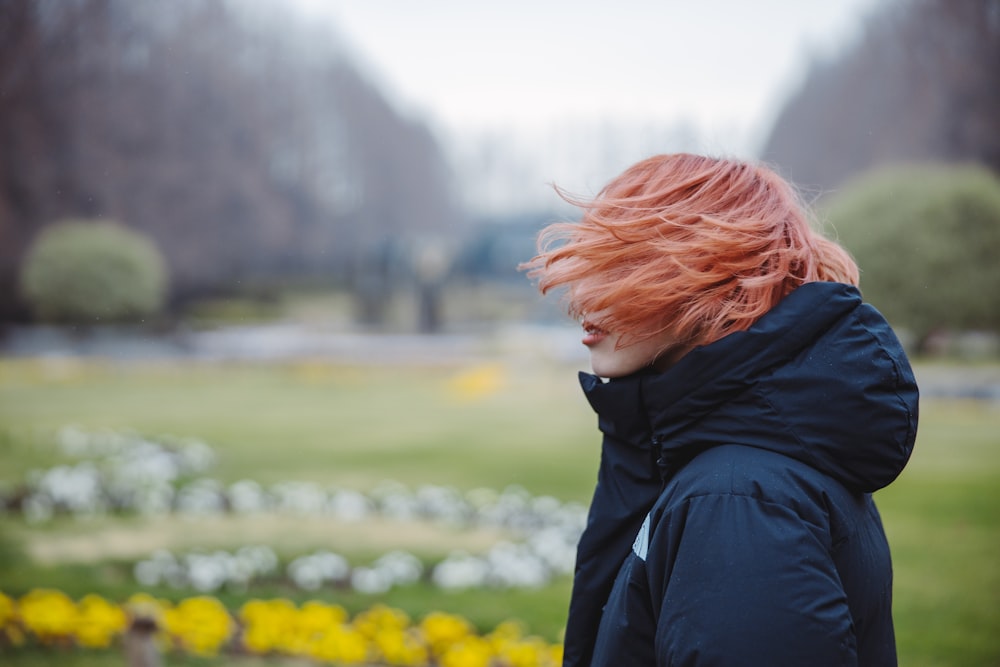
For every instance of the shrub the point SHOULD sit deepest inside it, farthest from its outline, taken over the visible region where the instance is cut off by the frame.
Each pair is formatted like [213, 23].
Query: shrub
[92, 271]
[926, 238]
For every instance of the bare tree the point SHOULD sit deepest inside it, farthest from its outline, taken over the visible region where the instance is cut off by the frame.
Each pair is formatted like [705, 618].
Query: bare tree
[247, 145]
[923, 83]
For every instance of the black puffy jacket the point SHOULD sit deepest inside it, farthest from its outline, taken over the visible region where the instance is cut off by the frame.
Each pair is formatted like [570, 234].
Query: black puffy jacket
[732, 522]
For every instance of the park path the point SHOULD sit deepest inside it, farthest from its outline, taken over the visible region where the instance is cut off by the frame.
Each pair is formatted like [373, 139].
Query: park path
[289, 342]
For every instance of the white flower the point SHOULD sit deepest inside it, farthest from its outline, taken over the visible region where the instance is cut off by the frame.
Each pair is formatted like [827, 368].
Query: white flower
[171, 571]
[299, 497]
[246, 496]
[202, 496]
[400, 567]
[333, 567]
[399, 506]
[460, 570]
[144, 463]
[261, 559]
[77, 488]
[207, 573]
[514, 565]
[545, 505]
[442, 503]
[556, 548]
[195, 456]
[153, 499]
[312, 571]
[370, 580]
[306, 573]
[350, 505]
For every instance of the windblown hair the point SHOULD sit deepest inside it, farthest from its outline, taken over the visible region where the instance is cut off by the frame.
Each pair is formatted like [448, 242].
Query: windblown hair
[695, 247]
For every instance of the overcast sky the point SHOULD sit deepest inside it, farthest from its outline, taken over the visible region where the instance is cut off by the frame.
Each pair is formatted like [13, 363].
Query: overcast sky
[723, 65]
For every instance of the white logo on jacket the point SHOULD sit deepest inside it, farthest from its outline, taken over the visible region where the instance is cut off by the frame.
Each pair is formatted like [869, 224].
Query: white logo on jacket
[641, 544]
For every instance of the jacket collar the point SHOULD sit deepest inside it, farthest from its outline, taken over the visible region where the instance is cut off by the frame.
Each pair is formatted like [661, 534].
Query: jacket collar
[805, 370]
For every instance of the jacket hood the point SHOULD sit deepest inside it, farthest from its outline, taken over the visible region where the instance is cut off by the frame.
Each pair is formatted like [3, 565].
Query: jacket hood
[820, 378]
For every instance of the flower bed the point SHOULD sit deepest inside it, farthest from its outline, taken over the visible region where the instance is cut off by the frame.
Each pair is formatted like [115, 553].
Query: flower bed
[110, 473]
[123, 472]
[315, 630]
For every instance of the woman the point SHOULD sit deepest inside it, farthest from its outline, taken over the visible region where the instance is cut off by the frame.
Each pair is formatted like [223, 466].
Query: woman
[753, 403]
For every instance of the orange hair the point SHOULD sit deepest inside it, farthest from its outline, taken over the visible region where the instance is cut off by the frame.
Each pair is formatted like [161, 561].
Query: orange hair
[691, 246]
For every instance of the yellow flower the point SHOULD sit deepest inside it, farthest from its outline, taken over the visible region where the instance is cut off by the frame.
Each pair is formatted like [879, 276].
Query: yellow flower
[7, 610]
[144, 605]
[98, 622]
[200, 624]
[515, 650]
[469, 652]
[267, 625]
[48, 614]
[315, 617]
[401, 647]
[8, 621]
[380, 617]
[504, 634]
[529, 652]
[341, 644]
[477, 382]
[441, 630]
[317, 630]
[311, 623]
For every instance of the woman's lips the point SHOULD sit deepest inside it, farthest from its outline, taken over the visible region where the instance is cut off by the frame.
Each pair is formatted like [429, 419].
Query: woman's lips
[592, 335]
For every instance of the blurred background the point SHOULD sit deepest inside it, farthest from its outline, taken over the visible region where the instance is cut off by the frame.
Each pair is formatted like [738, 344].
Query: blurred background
[399, 157]
[288, 232]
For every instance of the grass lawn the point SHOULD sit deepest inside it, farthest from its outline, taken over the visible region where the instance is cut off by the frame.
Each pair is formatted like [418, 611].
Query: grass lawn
[490, 425]
[484, 426]
[943, 521]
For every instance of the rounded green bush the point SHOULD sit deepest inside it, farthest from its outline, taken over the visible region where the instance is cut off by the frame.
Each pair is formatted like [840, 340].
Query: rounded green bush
[93, 272]
[927, 241]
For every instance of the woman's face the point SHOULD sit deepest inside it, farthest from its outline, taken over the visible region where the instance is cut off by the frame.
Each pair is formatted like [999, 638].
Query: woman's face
[609, 361]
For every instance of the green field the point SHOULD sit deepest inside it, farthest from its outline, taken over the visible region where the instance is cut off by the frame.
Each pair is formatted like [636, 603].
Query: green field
[485, 426]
